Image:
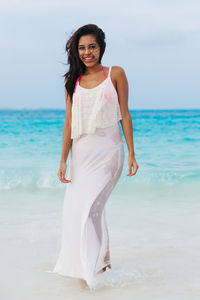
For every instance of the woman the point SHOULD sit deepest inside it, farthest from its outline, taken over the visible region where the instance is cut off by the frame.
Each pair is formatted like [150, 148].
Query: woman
[96, 100]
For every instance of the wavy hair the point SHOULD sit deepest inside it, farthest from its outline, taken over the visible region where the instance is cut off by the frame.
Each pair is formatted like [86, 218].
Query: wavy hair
[76, 66]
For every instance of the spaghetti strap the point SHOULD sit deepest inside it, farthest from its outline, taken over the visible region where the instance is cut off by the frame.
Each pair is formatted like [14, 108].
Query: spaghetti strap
[109, 71]
[104, 72]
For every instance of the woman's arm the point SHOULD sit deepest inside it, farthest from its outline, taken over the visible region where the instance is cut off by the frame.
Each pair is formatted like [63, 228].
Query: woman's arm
[66, 141]
[121, 84]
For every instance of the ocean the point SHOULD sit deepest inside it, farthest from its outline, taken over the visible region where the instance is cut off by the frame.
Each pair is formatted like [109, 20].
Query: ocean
[153, 217]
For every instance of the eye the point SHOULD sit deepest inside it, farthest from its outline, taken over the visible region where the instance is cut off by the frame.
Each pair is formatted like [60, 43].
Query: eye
[81, 48]
[93, 47]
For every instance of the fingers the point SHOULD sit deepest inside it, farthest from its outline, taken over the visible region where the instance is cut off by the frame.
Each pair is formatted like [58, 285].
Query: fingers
[130, 170]
[61, 176]
[65, 180]
[133, 169]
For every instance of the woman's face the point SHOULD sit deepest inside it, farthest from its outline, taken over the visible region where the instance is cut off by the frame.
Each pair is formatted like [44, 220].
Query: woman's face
[88, 50]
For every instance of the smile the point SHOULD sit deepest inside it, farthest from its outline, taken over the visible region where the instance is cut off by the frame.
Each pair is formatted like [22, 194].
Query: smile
[88, 59]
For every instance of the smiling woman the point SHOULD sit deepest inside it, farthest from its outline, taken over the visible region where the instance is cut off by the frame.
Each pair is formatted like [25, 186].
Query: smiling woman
[96, 100]
[86, 46]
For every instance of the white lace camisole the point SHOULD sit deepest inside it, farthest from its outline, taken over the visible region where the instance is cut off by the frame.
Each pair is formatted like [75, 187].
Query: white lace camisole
[93, 108]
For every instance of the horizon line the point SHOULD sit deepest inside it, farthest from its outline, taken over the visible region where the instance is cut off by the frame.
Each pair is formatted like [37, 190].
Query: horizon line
[139, 109]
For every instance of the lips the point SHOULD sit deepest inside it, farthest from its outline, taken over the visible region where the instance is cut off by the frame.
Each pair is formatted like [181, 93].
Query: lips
[88, 59]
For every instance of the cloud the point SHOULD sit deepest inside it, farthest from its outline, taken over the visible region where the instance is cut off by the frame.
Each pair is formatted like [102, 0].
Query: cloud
[140, 18]
[144, 36]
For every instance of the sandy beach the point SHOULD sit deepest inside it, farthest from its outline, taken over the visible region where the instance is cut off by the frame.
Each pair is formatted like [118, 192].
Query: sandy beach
[153, 219]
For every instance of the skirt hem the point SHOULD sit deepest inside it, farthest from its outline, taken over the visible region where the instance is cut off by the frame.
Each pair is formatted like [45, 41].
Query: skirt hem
[79, 276]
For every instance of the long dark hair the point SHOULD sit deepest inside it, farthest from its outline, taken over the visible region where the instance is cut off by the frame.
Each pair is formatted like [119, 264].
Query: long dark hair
[76, 66]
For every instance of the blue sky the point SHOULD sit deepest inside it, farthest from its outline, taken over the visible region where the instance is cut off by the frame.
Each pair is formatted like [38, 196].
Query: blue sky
[156, 42]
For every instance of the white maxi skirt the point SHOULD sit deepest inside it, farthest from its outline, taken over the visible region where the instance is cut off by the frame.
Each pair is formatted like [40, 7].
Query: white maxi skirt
[95, 165]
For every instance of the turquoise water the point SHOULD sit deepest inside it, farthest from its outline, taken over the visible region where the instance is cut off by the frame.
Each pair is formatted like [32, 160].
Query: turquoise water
[167, 144]
[153, 217]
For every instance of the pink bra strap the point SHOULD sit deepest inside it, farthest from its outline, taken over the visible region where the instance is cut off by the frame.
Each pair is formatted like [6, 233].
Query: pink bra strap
[104, 72]
[78, 80]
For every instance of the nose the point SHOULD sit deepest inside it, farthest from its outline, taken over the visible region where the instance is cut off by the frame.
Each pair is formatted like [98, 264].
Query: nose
[87, 50]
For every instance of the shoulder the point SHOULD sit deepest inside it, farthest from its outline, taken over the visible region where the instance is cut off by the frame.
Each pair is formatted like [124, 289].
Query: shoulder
[114, 71]
[67, 95]
[118, 74]
[117, 70]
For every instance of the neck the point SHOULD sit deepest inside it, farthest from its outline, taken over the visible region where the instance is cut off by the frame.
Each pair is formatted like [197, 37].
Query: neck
[94, 69]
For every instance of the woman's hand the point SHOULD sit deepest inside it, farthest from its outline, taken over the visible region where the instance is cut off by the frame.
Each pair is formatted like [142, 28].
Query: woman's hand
[61, 173]
[132, 164]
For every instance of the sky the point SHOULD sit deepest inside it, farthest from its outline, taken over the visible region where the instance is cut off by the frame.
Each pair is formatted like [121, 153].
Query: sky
[157, 43]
